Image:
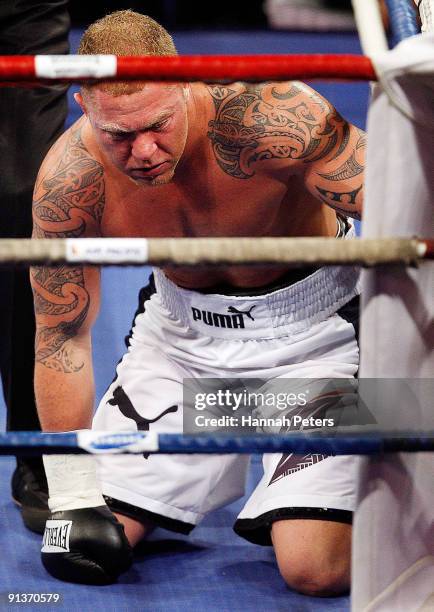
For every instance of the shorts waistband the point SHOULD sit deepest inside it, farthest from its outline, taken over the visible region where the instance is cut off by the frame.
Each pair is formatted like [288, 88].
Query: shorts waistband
[282, 312]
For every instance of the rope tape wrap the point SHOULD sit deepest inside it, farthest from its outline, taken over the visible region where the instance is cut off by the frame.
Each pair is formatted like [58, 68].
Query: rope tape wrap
[208, 68]
[35, 443]
[402, 17]
[213, 251]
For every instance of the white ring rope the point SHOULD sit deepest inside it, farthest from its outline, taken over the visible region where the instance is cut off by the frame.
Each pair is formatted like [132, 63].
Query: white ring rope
[213, 251]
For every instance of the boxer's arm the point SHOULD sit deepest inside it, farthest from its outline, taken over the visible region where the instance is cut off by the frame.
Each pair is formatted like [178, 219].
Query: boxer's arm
[335, 174]
[68, 202]
[285, 129]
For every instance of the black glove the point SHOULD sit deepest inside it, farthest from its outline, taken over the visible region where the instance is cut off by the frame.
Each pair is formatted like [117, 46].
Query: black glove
[88, 546]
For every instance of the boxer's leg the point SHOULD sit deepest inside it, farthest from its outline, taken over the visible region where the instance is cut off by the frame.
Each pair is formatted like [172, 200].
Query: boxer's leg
[313, 556]
[174, 492]
[303, 504]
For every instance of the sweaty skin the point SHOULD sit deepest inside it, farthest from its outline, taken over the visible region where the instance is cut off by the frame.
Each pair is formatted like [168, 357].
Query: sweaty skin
[243, 173]
[274, 159]
[237, 160]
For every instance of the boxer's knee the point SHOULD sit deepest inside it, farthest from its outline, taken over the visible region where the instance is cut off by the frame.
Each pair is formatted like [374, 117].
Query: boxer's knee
[135, 530]
[312, 578]
[137, 524]
[314, 557]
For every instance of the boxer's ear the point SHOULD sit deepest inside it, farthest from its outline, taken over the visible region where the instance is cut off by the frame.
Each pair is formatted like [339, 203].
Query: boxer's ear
[80, 101]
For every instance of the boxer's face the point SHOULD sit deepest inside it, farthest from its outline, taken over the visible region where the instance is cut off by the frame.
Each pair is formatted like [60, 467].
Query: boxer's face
[142, 133]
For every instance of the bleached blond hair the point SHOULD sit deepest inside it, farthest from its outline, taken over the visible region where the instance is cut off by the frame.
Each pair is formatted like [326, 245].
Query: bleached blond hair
[125, 33]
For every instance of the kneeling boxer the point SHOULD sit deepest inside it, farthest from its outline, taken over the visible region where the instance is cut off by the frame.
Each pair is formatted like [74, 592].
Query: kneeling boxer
[152, 159]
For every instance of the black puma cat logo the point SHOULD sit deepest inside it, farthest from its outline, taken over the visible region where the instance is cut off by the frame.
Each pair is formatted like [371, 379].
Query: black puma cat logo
[242, 312]
[123, 402]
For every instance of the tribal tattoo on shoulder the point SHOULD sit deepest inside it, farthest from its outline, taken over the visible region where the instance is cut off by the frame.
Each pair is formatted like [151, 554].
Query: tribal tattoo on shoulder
[269, 121]
[69, 202]
[281, 121]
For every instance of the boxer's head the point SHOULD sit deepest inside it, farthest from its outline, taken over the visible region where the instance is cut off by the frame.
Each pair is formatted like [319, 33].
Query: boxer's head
[141, 127]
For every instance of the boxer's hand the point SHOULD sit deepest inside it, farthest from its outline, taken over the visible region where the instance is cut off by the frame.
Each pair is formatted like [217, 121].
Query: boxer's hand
[87, 545]
[83, 541]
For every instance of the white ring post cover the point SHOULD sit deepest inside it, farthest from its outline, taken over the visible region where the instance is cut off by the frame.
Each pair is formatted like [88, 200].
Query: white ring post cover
[393, 546]
[369, 26]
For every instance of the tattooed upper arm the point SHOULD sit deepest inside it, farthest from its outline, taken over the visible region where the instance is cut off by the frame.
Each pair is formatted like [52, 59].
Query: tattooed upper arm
[337, 177]
[69, 198]
[68, 202]
[292, 126]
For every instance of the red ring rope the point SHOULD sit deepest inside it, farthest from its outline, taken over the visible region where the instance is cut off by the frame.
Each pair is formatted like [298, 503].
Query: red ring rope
[208, 68]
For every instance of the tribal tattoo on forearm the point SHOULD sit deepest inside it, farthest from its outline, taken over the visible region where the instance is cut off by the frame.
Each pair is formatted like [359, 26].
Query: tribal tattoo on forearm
[285, 121]
[69, 202]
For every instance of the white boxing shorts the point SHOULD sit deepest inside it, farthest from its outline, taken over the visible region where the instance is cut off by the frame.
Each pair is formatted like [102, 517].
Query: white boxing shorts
[305, 330]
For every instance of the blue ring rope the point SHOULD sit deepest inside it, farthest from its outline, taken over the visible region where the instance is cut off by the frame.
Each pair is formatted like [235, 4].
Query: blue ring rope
[36, 443]
[403, 20]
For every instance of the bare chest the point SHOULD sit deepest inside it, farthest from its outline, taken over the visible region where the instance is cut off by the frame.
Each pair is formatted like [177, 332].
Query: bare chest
[203, 200]
[200, 201]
